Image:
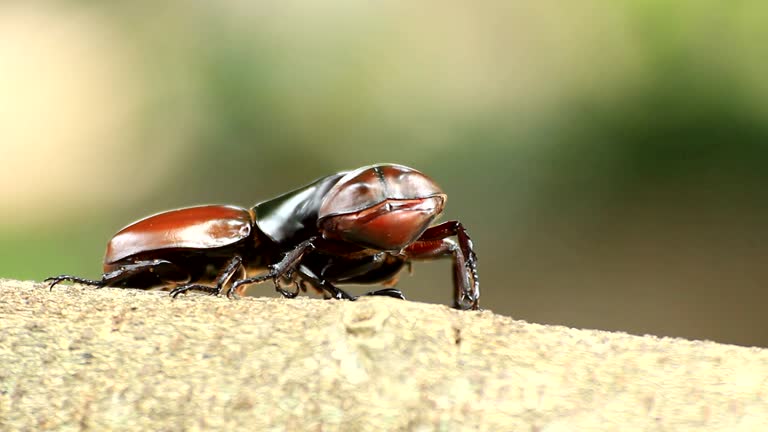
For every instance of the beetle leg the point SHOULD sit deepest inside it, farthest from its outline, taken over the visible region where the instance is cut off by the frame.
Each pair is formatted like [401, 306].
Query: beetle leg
[113, 278]
[323, 286]
[63, 278]
[434, 243]
[332, 291]
[285, 267]
[291, 294]
[389, 292]
[234, 264]
[290, 264]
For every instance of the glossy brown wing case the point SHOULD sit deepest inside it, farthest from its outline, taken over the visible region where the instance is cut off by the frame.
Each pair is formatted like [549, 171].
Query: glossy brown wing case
[203, 227]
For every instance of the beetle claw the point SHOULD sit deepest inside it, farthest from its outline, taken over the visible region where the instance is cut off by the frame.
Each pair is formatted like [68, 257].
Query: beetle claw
[468, 302]
[286, 293]
[55, 280]
[231, 294]
[176, 291]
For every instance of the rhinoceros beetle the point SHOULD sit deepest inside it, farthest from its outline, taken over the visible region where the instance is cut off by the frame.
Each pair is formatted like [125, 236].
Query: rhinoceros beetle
[361, 226]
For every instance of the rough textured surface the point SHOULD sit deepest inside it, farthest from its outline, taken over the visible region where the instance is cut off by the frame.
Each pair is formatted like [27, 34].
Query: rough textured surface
[80, 358]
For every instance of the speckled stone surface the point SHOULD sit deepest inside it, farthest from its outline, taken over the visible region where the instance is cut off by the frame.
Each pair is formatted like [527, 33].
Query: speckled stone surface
[78, 358]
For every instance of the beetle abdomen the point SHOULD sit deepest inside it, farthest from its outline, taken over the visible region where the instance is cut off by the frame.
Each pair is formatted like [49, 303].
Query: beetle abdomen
[203, 227]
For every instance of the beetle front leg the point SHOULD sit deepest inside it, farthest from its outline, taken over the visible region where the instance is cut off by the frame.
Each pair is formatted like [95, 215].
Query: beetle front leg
[234, 264]
[434, 243]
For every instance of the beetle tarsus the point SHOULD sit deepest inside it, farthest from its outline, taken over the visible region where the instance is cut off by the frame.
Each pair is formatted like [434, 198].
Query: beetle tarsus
[388, 292]
[271, 274]
[63, 278]
[193, 287]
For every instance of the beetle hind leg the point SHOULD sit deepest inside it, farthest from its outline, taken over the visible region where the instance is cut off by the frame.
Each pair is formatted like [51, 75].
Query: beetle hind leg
[67, 278]
[138, 274]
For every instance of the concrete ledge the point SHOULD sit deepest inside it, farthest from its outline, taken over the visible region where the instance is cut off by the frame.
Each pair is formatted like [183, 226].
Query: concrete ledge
[81, 358]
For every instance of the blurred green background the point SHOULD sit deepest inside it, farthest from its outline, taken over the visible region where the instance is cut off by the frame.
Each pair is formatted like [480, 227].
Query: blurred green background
[609, 158]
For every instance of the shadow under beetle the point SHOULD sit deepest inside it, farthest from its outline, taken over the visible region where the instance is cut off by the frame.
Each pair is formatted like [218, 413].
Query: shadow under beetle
[359, 226]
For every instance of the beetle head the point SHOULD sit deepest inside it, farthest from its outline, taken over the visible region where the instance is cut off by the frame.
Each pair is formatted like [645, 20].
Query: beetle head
[386, 207]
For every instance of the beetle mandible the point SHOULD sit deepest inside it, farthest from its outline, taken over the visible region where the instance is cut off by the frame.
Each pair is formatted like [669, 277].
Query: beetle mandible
[361, 226]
